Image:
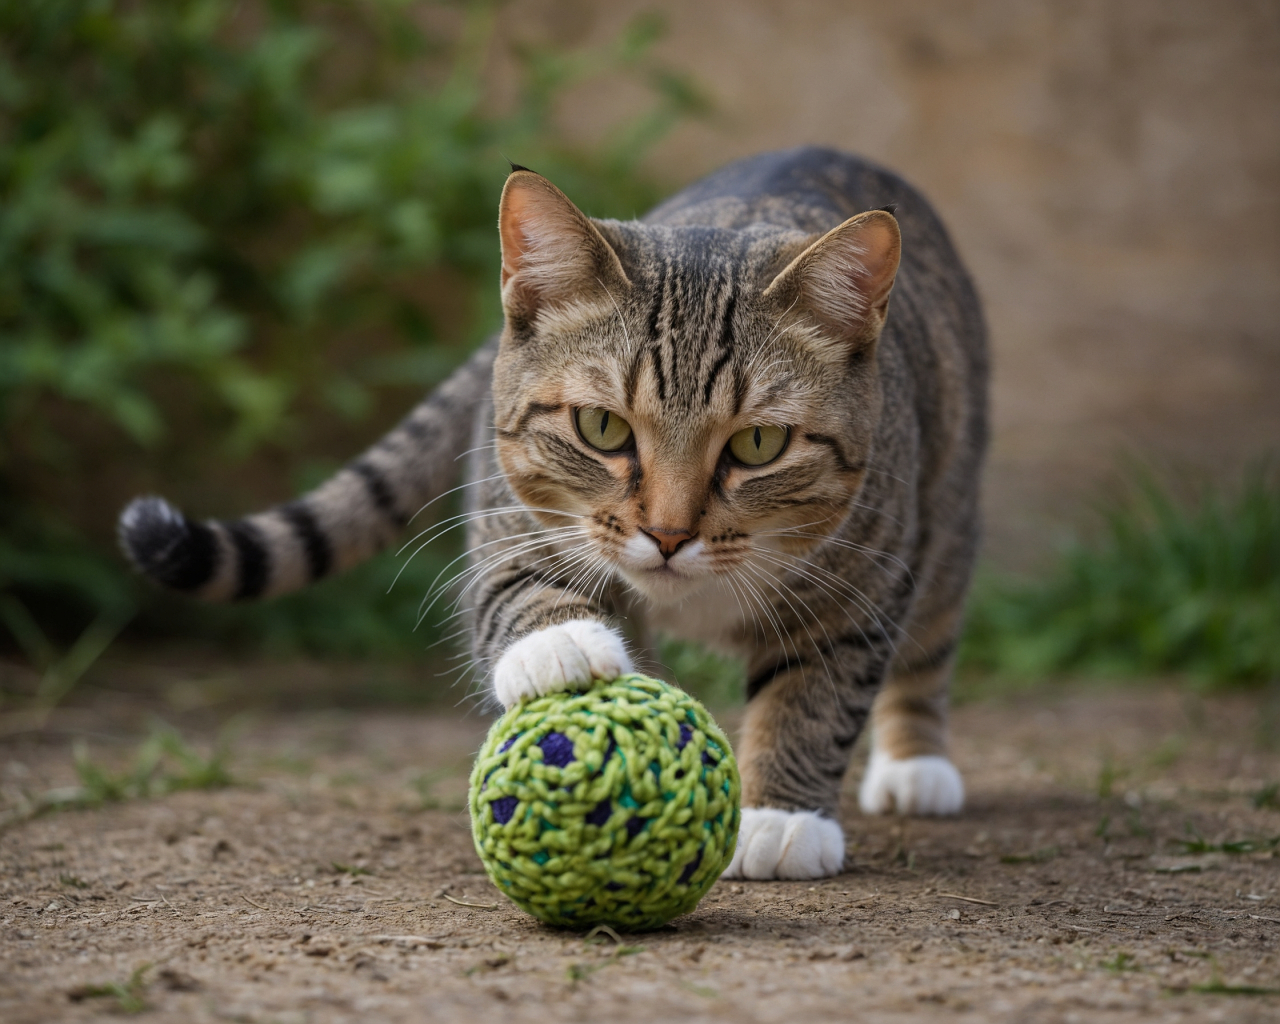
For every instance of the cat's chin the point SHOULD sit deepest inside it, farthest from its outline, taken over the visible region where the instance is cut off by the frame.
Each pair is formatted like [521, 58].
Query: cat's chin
[663, 586]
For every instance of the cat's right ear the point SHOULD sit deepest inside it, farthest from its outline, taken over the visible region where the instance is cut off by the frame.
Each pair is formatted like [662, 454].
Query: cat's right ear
[552, 255]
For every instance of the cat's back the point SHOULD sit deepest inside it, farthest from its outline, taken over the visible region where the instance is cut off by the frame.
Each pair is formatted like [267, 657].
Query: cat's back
[809, 188]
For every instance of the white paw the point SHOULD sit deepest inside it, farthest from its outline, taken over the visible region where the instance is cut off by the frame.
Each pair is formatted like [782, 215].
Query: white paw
[559, 657]
[913, 785]
[786, 844]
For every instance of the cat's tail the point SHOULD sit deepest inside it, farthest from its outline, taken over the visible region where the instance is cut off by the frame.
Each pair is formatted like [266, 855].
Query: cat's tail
[347, 519]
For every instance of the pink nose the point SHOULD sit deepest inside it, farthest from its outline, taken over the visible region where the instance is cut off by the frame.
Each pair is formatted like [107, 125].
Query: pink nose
[668, 541]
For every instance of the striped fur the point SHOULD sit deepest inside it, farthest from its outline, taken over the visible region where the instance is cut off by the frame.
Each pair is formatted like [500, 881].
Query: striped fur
[344, 521]
[805, 290]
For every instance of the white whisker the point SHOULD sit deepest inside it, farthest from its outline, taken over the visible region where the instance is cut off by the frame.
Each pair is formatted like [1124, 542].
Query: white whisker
[452, 490]
[477, 448]
[541, 537]
[848, 591]
[777, 586]
[479, 570]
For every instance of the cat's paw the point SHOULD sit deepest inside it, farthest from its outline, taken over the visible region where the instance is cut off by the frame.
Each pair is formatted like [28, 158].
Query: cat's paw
[562, 657]
[912, 785]
[786, 844]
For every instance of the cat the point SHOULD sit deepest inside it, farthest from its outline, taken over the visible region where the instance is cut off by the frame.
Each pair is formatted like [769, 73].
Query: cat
[754, 418]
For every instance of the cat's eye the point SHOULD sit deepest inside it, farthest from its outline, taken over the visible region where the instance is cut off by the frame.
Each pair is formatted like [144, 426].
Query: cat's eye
[756, 446]
[604, 430]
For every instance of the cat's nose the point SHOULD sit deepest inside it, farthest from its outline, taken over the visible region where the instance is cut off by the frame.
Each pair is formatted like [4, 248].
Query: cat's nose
[668, 541]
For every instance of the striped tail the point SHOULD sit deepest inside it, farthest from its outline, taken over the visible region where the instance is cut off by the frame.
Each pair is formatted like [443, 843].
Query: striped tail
[347, 519]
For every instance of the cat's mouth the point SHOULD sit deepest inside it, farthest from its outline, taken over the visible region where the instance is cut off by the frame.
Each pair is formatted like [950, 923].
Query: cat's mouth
[662, 584]
[665, 580]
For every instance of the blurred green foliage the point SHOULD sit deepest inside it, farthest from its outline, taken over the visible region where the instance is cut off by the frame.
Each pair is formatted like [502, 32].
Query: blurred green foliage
[224, 222]
[1190, 588]
[716, 680]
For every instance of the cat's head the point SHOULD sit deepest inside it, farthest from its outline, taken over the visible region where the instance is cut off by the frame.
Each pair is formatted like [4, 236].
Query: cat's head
[684, 400]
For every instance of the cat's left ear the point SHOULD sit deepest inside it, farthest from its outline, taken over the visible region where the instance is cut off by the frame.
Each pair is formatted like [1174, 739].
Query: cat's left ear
[552, 254]
[845, 277]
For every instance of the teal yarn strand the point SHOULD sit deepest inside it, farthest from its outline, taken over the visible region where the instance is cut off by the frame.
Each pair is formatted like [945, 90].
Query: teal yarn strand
[618, 805]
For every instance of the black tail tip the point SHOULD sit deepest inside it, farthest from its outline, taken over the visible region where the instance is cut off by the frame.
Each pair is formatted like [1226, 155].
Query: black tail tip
[166, 545]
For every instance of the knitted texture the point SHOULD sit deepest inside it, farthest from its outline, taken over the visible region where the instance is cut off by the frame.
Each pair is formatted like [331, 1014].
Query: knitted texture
[618, 805]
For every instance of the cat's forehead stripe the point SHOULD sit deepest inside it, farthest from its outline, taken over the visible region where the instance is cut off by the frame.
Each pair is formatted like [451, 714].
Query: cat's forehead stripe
[694, 299]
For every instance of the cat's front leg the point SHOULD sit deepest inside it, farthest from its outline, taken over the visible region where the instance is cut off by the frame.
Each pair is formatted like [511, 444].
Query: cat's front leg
[534, 621]
[909, 771]
[800, 728]
[562, 656]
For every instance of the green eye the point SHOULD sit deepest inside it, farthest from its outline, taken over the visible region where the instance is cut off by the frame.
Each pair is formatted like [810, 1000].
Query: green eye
[756, 446]
[603, 429]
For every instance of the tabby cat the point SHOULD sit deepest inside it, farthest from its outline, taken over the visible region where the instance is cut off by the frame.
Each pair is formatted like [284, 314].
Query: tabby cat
[715, 423]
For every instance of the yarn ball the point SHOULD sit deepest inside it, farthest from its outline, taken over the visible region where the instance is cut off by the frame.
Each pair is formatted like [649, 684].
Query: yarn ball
[618, 805]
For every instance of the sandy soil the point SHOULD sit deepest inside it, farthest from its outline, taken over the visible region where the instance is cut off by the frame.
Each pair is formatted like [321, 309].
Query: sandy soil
[1059, 895]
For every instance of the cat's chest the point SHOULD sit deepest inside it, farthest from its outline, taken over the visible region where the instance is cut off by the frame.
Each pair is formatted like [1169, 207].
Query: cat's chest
[715, 616]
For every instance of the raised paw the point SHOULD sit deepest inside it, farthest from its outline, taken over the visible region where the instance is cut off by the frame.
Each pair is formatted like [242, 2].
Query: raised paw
[911, 785]
[563, 657]
[786, 844]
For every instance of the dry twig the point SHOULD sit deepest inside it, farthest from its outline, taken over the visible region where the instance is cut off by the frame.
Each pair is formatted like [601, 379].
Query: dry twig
[478, 906]
[604, 929]
[967, 899]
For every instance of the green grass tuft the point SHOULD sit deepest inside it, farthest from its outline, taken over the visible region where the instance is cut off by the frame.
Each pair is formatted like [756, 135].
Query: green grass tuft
[130, 995]
[1198, 844]
[1121, 962]
[1267, 797]
[1165, 587]
[163, 763]
[1040, 856]
[1218, 987]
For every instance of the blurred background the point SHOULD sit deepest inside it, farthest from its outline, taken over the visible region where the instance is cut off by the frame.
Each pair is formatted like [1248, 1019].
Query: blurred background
[238, 240]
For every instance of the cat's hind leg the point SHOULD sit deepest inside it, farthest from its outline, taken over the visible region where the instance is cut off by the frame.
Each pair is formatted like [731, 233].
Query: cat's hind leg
[909, 771]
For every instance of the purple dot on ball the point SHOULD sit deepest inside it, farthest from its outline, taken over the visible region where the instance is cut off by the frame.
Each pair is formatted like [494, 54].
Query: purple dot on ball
[686, 734]
[503, 808]
[691, 867]
[507, 745]
[557, 749]
[600, 813]
[613, 886]
[634, 825]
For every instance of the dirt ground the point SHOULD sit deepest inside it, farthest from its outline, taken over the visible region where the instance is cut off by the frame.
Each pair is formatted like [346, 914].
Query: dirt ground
[337, 882]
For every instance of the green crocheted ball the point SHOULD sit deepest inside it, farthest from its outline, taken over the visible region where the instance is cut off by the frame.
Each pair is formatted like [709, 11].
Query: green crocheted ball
[618, 805]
